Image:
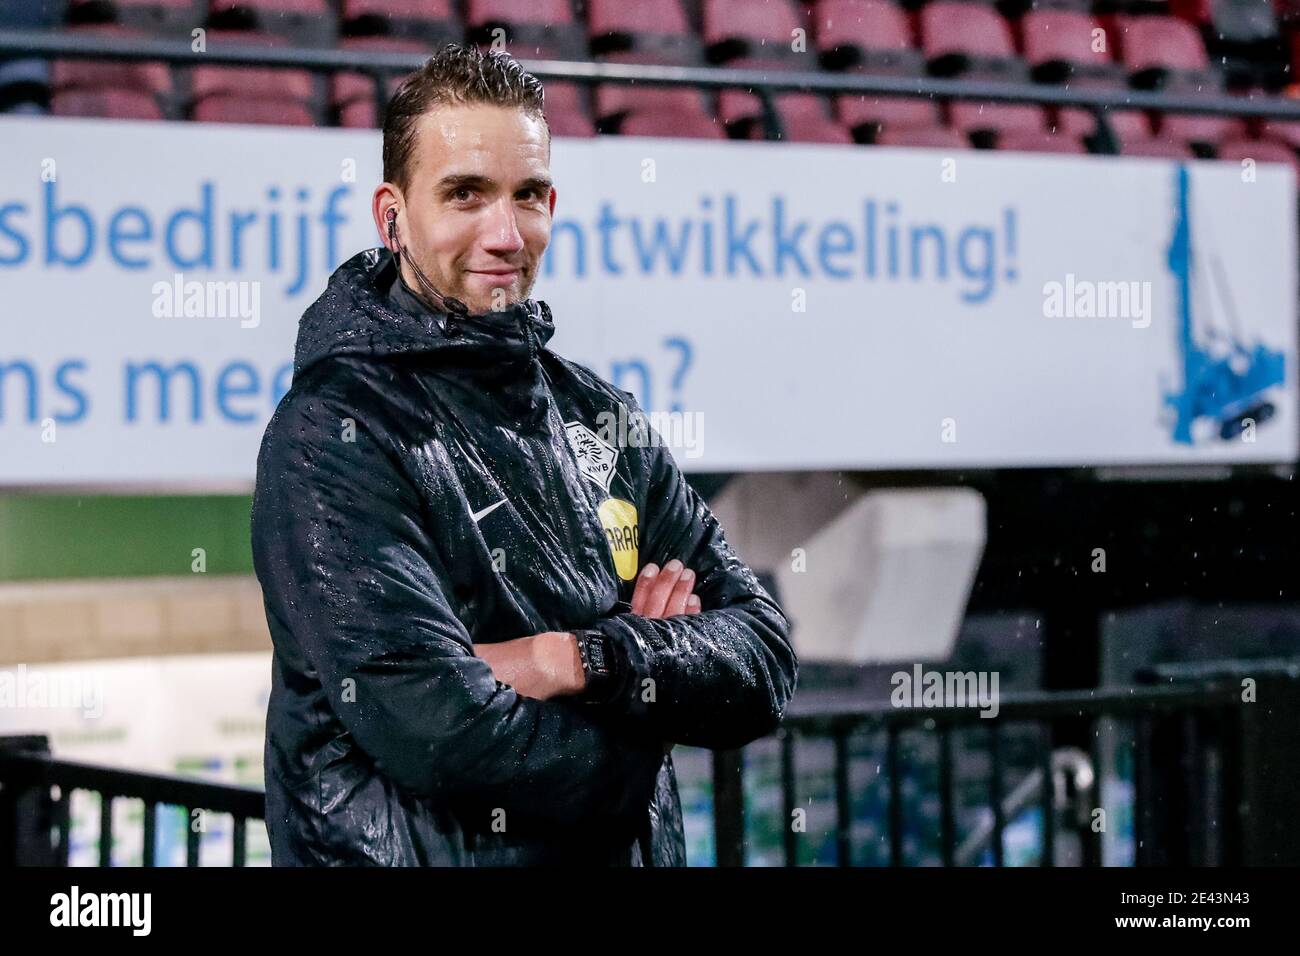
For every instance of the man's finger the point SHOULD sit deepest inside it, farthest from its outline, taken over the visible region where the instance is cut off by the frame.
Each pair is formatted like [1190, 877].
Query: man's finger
[693, 605]
[641, 594]
[680, 593]
[662, 588]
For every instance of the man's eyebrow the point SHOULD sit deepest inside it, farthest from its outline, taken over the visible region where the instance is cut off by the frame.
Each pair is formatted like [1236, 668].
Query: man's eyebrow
[476, 181]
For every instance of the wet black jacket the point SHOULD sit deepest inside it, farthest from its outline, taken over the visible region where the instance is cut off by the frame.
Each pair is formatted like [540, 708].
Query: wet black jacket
[430, 482]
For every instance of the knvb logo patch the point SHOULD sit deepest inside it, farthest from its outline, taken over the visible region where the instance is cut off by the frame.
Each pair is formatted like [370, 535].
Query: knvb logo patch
[596, 457]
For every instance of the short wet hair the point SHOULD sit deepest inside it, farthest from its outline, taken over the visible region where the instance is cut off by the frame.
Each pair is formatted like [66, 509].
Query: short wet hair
[454, 75]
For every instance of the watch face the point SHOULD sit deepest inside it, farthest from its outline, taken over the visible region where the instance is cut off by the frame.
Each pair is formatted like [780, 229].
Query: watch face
[596, 654]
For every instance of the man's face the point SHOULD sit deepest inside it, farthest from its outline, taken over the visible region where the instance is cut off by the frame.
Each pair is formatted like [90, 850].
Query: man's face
[478, 203]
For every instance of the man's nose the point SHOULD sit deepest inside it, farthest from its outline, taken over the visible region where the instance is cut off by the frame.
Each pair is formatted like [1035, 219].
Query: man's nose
[501, 232]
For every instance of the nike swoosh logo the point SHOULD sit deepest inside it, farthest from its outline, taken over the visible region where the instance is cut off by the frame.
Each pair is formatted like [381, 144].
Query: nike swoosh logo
[476, 515]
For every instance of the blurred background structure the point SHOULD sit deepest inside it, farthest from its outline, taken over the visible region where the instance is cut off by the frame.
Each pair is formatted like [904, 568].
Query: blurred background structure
[935, 468]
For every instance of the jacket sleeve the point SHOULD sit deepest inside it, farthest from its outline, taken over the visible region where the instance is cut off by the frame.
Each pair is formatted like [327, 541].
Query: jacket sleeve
[717, 679]
[344, 555]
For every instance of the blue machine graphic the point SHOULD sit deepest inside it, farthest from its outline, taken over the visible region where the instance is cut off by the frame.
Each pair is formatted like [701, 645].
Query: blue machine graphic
[1228, 387]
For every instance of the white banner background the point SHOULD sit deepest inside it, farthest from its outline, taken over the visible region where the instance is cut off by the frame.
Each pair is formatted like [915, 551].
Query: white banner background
[865, 377]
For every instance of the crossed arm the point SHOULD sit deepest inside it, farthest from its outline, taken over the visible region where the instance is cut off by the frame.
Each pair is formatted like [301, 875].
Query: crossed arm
[547, 665]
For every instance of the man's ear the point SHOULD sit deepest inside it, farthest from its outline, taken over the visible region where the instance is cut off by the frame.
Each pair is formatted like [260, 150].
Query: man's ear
[387, 196]
[553, 195]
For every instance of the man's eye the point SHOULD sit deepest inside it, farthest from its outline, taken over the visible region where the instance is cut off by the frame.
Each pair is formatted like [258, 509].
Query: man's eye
[462, 195]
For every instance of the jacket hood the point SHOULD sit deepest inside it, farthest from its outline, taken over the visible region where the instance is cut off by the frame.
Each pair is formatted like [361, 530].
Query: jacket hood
[354, 316]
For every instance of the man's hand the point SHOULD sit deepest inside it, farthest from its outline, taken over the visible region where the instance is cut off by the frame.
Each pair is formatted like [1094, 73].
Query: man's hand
[665, 593]
[548, 665]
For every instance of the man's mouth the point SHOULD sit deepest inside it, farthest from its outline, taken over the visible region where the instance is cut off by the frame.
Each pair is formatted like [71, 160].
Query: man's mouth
[496, 276]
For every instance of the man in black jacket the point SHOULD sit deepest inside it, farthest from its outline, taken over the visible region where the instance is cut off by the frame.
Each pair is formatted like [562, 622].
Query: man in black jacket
[476, 662]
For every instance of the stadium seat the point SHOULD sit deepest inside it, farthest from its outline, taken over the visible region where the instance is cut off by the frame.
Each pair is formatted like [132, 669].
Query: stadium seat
[933, 137]
[754, 33]
[241, 109]
[151, 77]
[616, 101]
[649, 31]
[432, 22]
[539, 28]
[1199, 130]
[1164, 52]
[304, 22]
[671, 124]
[563, 123]
[871, 35]
[1058, 46]
[352, 95]
[804, 117]
[969, 39]
[1125, 124]
[971, 117]
[1159, 148]
[241, 83]
[1260, 150]
[865, 115]
[1282, 131]
[108, 103]
[1039, 141]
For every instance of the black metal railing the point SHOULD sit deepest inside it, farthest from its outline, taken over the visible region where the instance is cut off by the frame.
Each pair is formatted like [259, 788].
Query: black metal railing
[36, 800]
[1213, 772]
[380, 66]
[1210, 772]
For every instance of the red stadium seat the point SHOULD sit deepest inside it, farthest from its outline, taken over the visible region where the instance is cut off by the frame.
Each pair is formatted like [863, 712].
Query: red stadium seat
[649, 31]
[1260, 150]
[1160, 148]
[934, 137]
[969, 39]
[752, 32]
[564, 123]
[873, 35]
[865, 114]
[973, 117]
[1201, 130]
[616, 100]
[1058, 45]
[545, 28]
[1125, 124]
[252, 82]
[107, 102]
[354, 93]
[1164, 52]
[804, 116]
[1283, 131]
[1040, 141]
[152, 77]
[671, 124]
[239, 109]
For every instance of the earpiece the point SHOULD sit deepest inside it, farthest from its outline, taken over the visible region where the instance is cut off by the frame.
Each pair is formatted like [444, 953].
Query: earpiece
[391, 216]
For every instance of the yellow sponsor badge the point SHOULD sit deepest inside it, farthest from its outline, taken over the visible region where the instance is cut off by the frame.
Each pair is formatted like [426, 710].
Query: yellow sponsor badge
[618, 518]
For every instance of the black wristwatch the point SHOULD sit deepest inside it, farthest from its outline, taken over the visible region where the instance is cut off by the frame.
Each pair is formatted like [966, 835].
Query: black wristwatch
[597, 665]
